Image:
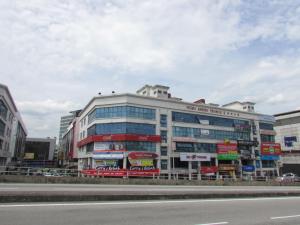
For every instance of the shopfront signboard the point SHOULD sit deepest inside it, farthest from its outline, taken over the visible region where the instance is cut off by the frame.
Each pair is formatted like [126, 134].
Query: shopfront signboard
[227, 167]
[194, 157]
[121, 173]
[268, 148]
[270, 157]
[108, 155]
[142, 155]
[248, 168]
[208, 169]
[227, 151]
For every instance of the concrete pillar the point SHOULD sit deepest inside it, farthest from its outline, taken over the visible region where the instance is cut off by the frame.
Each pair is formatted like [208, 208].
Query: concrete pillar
[217, 165]
[199, 170]
[190, 170]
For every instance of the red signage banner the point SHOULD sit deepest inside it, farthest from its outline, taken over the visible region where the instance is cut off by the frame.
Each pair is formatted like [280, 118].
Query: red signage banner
[268, 148]
[120, 173]
[208, 169]
[142, 155]
[227, 148]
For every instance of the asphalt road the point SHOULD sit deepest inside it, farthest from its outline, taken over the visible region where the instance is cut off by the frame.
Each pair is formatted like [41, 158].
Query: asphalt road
[260, 211]
[84, 188]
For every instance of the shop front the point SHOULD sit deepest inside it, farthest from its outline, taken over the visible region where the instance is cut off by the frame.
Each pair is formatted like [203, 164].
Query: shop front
[270, 156]
[227, 156]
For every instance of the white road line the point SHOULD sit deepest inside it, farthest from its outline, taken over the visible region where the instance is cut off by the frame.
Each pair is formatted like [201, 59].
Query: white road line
[144, 202]
[284, 217]
[213, 223]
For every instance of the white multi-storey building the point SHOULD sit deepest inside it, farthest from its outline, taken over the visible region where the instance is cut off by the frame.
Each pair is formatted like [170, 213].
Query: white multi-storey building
[151, 132]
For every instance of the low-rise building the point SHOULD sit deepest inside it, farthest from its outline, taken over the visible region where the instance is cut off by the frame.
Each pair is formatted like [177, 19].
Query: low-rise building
[39, 152]
[151, 132]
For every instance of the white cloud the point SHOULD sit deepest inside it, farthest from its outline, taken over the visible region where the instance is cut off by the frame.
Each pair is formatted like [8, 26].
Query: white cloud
[66, 51]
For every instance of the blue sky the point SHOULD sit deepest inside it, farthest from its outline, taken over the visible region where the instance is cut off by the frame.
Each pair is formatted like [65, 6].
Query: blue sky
[55, 55]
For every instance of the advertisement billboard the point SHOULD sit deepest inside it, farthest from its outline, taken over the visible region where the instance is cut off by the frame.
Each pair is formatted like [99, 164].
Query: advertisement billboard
[142, 155]
[194, 157]
[108, 155]
[248, 168]
[270, 148]
[269, 157]
[208, 169]
[227, 151]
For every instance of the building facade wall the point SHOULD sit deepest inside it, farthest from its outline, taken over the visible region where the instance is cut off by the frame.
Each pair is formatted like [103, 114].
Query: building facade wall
[215, 125]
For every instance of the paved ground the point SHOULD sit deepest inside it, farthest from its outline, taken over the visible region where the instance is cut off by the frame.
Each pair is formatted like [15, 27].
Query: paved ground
[260, 211]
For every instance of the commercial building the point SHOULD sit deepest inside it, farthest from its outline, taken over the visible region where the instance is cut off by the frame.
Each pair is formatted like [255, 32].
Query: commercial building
[39, 152]
[64, 124]
[151, 133]
[12, 129]
[287, 129]
[69, 149]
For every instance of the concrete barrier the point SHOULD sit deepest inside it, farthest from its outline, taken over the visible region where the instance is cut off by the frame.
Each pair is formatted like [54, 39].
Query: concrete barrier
[133, 181]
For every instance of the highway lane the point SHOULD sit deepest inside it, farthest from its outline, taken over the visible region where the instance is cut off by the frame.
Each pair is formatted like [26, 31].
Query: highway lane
[12, 187]
[259, 211]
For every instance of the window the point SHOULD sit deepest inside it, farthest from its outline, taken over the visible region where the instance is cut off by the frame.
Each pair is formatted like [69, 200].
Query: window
[2, 128]
[163, 151]
[163, 136]
[208, 120]
[194, 165]
[121, 112]
[159, 91]
[209, 133]
[195, 147]
[164, 164]
[163, 120]
[267, 138]
[266, 126]
[3, 110]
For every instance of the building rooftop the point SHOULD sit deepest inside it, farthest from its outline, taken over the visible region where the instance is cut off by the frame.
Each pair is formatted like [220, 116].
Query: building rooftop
[287, 113]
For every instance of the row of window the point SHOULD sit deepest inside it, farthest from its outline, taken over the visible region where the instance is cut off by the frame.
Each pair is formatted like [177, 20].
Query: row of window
[121, 112]
[266, 126]
[267, 138]
[3, 110]
[207, 120]
[2, 128]
[121, 128]
[209, 133]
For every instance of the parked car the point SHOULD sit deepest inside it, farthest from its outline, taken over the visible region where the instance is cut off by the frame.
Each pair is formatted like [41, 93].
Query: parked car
[288, 177]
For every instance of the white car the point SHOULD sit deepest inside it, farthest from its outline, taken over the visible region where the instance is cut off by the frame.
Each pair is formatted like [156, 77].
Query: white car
[288, 177]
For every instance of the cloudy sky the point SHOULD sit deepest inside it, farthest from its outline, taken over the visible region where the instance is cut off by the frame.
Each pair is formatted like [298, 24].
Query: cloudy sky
[56, 54]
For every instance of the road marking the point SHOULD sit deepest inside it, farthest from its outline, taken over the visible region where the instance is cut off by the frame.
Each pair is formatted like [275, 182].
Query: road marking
[213, 223]
[284, 217]
[144, 202]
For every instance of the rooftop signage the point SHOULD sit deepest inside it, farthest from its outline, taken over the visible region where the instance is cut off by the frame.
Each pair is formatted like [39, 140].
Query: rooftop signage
[212, 110]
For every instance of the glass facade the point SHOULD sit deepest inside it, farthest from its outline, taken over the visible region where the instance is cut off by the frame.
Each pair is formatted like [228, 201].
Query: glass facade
[266, 126]
[195, 147]
[207, 120]
[267, 138]
[164, 136]
[164, 164]
[122, 112]
[163, 151]
[3, 110]
[209, 133]
[122, 128]
[163, 120]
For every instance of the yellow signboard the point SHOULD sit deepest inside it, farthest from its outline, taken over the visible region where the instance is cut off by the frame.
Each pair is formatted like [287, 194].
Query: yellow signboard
[29, 155]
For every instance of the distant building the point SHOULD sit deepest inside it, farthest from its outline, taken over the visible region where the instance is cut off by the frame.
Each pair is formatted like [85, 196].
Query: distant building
[12, 129]
[151, 132]
[287, 129]
[64, 123]
[39, 152]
